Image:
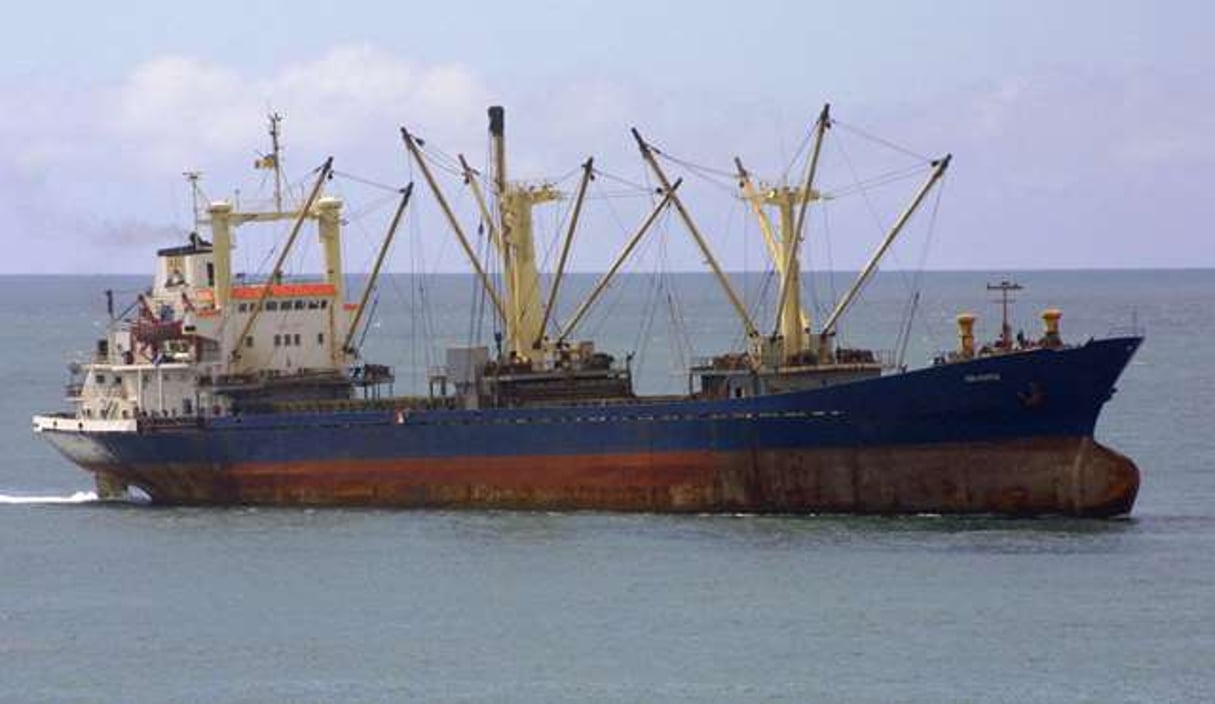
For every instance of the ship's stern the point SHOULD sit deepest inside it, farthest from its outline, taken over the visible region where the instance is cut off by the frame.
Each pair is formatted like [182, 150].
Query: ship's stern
[81, 440]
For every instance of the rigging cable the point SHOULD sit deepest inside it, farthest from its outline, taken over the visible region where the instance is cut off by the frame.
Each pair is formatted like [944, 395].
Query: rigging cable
[612, 300]
[396, 190]
[375, 304]
[873, 213]
[639, 187]
[932, 228]
[796, 155]
[876, 181]
[682, 362]
[880, 140]
[822, 312]
[494, 251]
[900, 344]
[709, 174]
[654, 286]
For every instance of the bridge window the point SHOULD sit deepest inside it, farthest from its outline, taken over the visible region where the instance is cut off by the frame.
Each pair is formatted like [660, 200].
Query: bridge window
[271, 305]
[99, 379]
[278, 340]
[320, 338]
[300, 305]
[296, 341]
[249, 341]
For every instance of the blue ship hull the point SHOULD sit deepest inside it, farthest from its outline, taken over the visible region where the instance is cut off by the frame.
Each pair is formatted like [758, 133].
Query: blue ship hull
[1005, 434]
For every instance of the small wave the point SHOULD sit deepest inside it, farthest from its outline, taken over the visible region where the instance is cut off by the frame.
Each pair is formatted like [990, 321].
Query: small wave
[80, 497]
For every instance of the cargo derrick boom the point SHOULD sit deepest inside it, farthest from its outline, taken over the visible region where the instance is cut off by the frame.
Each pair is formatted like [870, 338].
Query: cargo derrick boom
[533, 366]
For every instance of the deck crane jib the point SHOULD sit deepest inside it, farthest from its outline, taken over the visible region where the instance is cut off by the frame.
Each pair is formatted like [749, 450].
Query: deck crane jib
[537, 357]
[792, 334]
[507, 214]
[794, 355]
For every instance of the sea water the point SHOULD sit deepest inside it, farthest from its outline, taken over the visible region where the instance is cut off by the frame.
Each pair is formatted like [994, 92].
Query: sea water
[131, 602]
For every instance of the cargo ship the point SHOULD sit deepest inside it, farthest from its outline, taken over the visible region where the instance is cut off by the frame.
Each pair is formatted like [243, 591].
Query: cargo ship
[221, 390]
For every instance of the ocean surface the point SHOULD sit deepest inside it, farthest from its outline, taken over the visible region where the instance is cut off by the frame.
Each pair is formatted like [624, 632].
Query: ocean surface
[134, 603]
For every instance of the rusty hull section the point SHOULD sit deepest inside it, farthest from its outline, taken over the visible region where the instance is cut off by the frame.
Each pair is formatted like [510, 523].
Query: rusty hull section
[1043, 476]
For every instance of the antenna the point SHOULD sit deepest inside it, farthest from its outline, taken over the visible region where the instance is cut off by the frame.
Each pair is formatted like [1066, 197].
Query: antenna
[1005, 287]
[192, 177]
[275, 162]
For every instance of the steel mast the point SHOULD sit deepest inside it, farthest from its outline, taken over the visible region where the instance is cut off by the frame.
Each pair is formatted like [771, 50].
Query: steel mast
[514, 202]
[278, 161]
[793, 324]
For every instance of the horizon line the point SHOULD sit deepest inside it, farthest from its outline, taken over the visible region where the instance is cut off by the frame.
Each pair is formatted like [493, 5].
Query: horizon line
[811, 272]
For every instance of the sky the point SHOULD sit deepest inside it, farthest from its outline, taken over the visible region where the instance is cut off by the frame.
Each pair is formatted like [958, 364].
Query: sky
[1082, 133]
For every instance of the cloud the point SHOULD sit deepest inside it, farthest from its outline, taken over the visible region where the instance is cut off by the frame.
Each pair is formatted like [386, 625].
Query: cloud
[1054, 167]
[1146, 118]
[1072, 168]
[98, 167]
[178, 108]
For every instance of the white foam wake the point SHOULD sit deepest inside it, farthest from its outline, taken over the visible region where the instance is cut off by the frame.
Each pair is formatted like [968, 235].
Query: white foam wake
[79, 497]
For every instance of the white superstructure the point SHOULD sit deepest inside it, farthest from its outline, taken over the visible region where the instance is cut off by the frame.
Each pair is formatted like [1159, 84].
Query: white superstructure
[199, 337]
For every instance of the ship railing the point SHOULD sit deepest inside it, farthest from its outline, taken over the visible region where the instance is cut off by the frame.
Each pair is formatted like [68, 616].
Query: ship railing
[260, 377]
[372, 375]
[149, 422]
[739, 361]
[393, 403]
[523, 369]
[623, 401]
[887, 359]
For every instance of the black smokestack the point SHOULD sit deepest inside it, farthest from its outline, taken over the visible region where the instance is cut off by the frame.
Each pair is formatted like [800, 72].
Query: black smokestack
[497, 120]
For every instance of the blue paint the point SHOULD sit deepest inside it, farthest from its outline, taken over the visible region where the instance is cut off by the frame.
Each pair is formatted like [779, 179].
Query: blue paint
[1042, 393]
